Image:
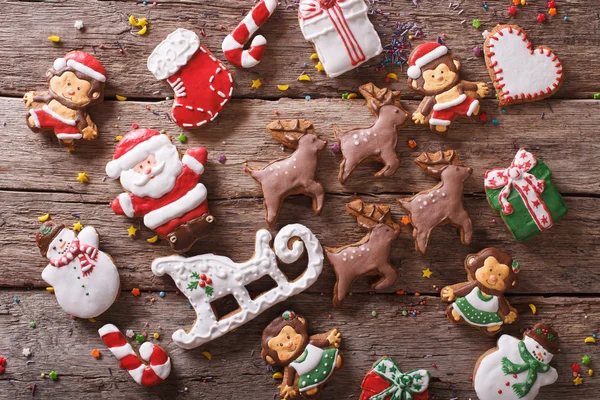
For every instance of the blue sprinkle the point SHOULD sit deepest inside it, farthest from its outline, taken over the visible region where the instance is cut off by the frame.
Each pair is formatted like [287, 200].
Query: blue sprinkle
[504, 110]
[162, 294]
[189, 305]
[495, 122]
[485, 6]
[305, 65]
[16, 300]
[566, 18]
[594, 336]
[307, 97]
[145, 3]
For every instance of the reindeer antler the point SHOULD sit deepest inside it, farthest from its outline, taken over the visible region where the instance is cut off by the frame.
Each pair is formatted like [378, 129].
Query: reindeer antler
[289, 131]
[377, 98]
[448, 157]
[368, 215]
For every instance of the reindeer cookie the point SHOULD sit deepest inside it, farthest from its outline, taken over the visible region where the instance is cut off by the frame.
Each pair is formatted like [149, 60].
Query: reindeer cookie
[367, 257]
[378, 142]
[480, 302]
[435, 73]
[308, 361]
[443, 203]
[295, 174]
[75, 82]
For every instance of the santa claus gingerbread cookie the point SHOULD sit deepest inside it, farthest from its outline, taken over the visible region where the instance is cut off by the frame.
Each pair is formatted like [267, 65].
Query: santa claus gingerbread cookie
[163, 189]
[202, 84]
[386, 381]
[75, 82]
[517, 369]
[85, 280]
[435, 73]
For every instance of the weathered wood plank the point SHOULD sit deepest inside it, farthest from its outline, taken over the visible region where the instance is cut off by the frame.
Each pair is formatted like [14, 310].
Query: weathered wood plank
[106, 23]
[240, 135]
[561, 256]
[60, 344]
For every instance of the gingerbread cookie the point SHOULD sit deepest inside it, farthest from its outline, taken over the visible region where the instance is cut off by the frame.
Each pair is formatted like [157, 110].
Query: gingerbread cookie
[163, 189]
[386, 381]
[520, 72]
[75, 82]
[481, 301]
[368, 257]
[517, 369]
[233, 44]
[341, 33]
[443, 203]
[85, 280]
[202, 84]
[206, 278]
[148, 368]
[535, 203]
[435, 73]
[378, 142]
[295, 174]
[308, 361]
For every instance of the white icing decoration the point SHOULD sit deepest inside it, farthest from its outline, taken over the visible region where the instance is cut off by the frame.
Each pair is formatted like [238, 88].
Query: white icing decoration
[70, 286]
[489, 377]
[173, 53]
[176, 209]
[320, 28]
[523, 71]
[227, 274]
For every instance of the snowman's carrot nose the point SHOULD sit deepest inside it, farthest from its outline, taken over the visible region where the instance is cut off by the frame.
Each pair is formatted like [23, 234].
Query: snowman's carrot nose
[62, 246]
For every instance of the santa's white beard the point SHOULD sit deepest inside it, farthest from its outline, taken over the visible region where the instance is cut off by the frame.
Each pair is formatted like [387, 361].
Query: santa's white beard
[162, 183]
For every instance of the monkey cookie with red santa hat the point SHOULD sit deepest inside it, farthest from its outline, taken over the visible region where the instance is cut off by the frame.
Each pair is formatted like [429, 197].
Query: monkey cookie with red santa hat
[162, 187]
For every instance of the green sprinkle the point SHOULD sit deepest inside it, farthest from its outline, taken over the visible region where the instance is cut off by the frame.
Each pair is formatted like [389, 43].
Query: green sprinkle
[32, 324]
[476, 23]
[586, 360]
[140, 338]
[374, 313]
[182, 138]
[404, 313]
[596, 96]
[53, 375]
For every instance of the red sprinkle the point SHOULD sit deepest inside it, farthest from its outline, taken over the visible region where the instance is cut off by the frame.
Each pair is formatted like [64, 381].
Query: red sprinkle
[541, 17]
[512, 10]
[500, 391]
[483, 117]
[552, 4]
[135, 126]
[575, 367]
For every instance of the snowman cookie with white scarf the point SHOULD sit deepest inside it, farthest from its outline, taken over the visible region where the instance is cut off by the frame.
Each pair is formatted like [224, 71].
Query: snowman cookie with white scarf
[85, 280]
[517, 369]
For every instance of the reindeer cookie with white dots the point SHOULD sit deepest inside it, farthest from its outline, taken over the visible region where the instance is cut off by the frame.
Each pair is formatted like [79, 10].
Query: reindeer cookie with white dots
[368, 257]
[295, 174]
[442, 204]
[480, 302]
[377, 142]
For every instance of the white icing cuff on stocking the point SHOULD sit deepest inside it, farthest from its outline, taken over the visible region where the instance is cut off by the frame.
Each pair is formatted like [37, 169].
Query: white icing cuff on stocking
[173, 53]
[194, 164]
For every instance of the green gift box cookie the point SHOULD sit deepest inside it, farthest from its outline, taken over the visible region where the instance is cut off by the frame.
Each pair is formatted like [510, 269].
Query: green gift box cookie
[525, 196]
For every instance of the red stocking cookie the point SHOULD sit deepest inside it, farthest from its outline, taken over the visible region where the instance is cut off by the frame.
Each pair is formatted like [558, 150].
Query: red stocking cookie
[443, 203]
[386, 381]
[163, 189]
[435, 73]
[75, 82]
[295, 174]
[370, 256]
[520, 73]
[378, 142]
[202, 84]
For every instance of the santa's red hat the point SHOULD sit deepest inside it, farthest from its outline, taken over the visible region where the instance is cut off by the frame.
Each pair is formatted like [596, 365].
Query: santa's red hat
[422, 55]
[82, 62]
[133, 148]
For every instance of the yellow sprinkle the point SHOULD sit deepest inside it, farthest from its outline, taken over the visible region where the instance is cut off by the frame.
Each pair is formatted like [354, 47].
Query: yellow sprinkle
[92, 320]
[590, 339]
[163, 131]
[277, 375]
[82, 177]
[143, 21]
[352, 96]
[393, 76]
[143, 30]
[54, 39]
[314, 56]
[121, 98]
[283, 87]
[256, 83]
[523, 2]
[132, 21]
[590, 372]
[304, 77]
[131, 231]
[44, 218]
[533, 308]
[43, 375]
[578, 381]
[77, 226]
[118, 138]
[156, 335]
[50, 289]
[207, 355]
[153, 239]
[320, 67]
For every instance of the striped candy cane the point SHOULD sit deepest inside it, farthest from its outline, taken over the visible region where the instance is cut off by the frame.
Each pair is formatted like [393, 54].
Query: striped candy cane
[159, 366]
[233, 44]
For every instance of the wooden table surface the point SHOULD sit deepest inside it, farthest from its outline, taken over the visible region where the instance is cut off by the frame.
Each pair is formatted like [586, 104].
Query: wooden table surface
[560, 273]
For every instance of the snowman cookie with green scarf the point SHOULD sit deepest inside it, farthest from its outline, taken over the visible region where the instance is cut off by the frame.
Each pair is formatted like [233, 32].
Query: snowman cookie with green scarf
[480, 302]
[517, 369]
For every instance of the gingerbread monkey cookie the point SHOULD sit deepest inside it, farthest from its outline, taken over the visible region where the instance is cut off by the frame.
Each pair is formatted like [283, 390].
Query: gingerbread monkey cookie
[481, 301]
[386, 381]
[377, 142]
[308, 361]
[75, 82]
[295, 174]
[435, 73]
[443, 203]
[517, 369]
[206, 278]
[163, 187]
[202, 84]
[85, 280]
[368, 257]
[520, 72]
